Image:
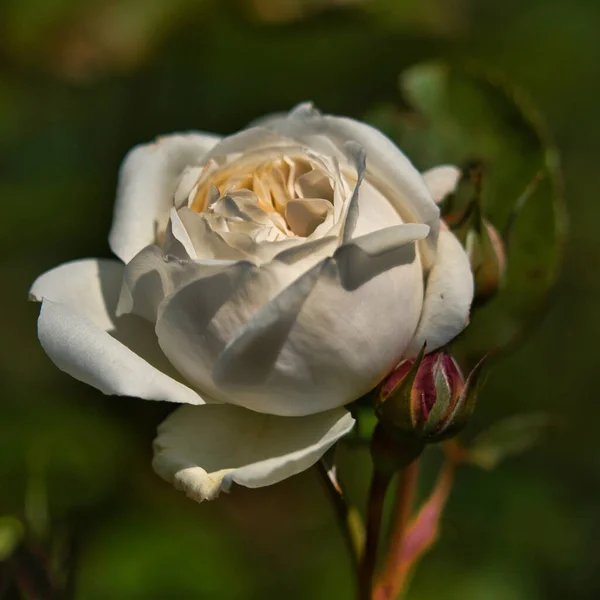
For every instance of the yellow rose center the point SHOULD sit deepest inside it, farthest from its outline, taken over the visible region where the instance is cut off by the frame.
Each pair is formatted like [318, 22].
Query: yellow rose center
[294, 192]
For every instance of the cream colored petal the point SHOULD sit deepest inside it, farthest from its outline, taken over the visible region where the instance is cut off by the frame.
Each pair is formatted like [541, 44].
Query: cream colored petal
[441, 181]
[314, 184]
[448, 296]
[306, 255]
[177, 240]
[252, 139]
[78, 330]
[374, 211]
[297, 168]
[246, 202]
[188, 179]
[148, 181]
[203, 450]
[331, 335]
[206, 236]
[388, 169]
[304, 215]
[151, 276]
[196, 322]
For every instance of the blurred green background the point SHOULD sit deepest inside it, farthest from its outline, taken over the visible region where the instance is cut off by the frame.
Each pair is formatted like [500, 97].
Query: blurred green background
[80, 83]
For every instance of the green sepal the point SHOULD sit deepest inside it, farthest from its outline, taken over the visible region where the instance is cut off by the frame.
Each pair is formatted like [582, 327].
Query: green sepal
[466, 403]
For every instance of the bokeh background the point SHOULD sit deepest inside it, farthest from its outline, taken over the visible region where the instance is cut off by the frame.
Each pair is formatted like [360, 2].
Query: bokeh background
[80, 83]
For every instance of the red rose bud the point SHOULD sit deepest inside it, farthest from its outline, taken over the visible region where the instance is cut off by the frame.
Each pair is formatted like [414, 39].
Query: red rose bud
[426, 398]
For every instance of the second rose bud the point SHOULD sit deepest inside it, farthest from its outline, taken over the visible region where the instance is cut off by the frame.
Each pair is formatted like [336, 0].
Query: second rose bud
[426, 398]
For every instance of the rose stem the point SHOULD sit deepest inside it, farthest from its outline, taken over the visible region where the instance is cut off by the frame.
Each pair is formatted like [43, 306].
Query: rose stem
[405, 496]
[424, 528]
[348, 516]
[379, 485]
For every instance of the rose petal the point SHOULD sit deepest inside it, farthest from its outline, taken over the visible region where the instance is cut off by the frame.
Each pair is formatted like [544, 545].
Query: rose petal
[177, 240]
[195, 323]
[441, 181]
[148, 180]
[203, 450]
[260, 365]
[307, 255]
[248, 358]
[314, 184]
[292, 342]
[304, 215]
[152, 275]
[79, 332]
[211, 243]
[369, 255]
[387, 167]
[448, 296]
[207, 241]
[352, 211]
[374, 212]
[254, 138]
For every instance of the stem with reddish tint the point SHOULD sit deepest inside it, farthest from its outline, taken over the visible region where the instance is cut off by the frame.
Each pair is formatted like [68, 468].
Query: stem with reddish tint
[405, 496]
[409, 543]
[377, 491]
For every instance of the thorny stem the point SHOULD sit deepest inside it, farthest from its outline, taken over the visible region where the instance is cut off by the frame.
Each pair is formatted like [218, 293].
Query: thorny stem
[379, 485]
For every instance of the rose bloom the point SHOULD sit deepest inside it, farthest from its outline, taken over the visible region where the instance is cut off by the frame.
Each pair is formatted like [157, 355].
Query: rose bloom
[264, 280]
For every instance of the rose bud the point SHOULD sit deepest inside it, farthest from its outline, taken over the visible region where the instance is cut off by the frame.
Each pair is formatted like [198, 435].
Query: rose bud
[426, 398]
[487, 257]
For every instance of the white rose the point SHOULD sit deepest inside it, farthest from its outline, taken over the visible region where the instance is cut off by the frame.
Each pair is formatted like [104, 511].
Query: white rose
[265, 280]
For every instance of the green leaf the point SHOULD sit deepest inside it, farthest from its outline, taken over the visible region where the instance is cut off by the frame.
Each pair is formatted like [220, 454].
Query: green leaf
[462, 116]
[509, 437]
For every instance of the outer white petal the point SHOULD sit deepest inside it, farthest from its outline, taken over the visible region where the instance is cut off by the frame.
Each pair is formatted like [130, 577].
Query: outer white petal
[292, 343]
[251, 139]
[203, 450]
[448, 296]
[441, 181]
[79, 332]
[147, 183]
[195, 323]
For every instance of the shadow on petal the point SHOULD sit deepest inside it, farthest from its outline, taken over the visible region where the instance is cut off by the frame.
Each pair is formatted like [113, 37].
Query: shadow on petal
[250, 357]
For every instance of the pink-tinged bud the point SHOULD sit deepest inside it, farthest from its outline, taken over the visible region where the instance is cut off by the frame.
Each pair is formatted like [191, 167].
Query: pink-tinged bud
[485, 250]
[482, 243]
[425, 398]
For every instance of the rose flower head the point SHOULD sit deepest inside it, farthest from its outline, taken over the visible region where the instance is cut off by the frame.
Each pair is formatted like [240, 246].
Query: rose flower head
[263, 281]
